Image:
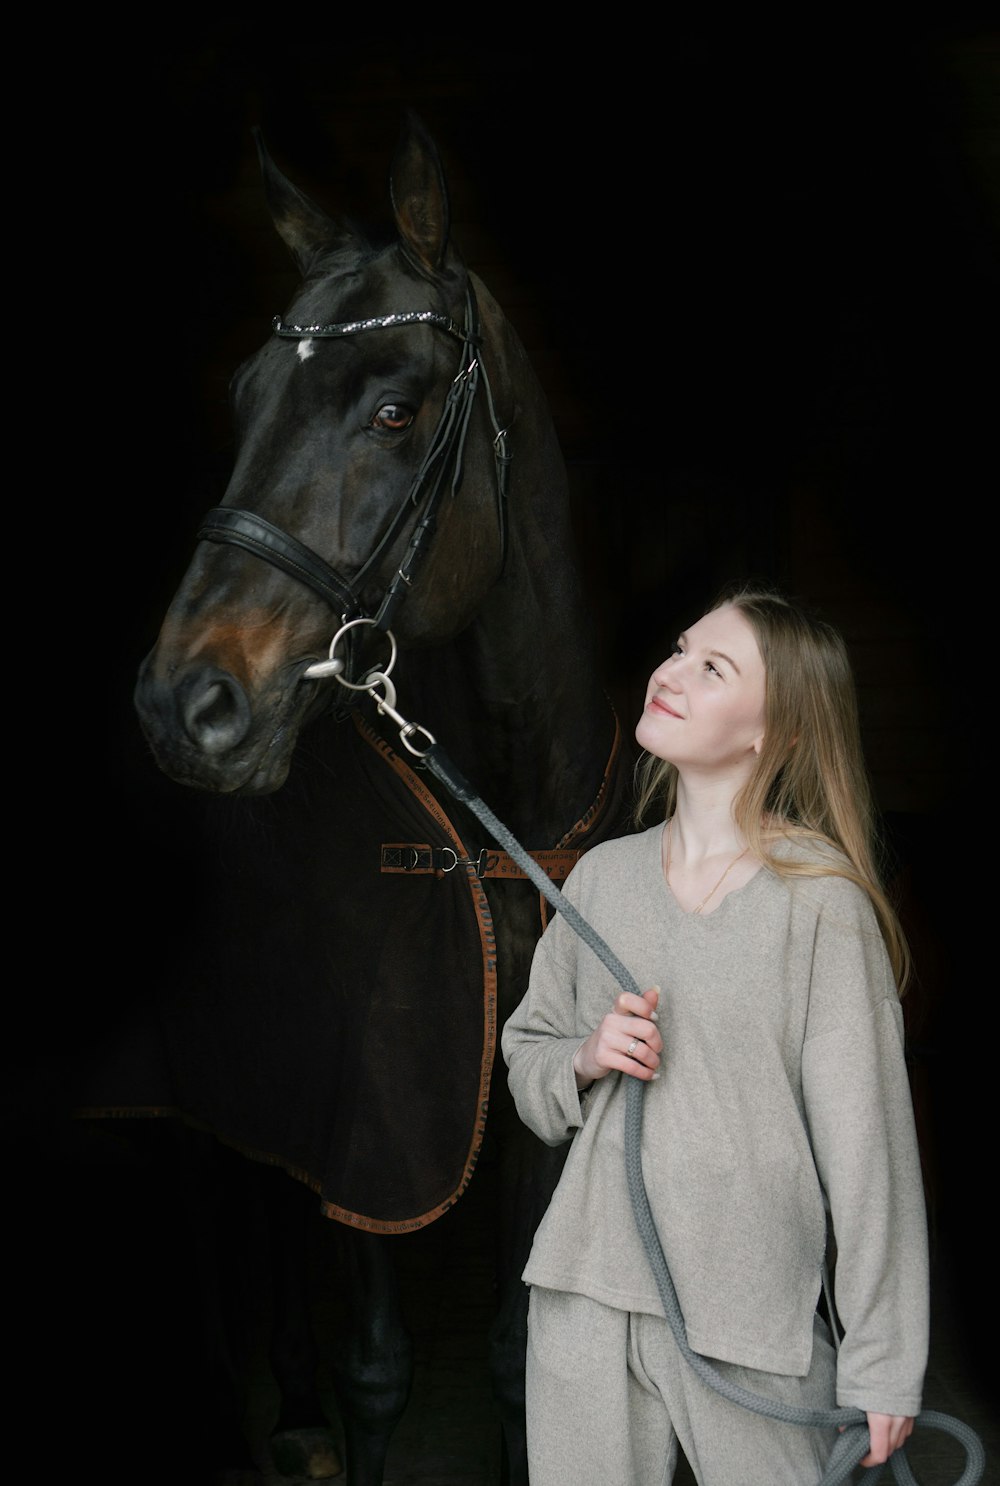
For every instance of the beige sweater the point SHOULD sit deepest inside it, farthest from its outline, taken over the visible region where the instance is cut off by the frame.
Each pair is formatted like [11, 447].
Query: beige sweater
[782, 1079]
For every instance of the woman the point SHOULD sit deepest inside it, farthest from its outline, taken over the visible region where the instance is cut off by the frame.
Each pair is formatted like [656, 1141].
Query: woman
[772, 1043]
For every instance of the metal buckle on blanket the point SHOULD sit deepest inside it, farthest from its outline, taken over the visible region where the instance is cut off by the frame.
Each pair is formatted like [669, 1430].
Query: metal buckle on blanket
[403, 857]
[480, 866]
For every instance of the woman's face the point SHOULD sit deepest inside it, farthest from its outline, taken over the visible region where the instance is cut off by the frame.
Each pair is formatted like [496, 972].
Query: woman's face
[704, 708]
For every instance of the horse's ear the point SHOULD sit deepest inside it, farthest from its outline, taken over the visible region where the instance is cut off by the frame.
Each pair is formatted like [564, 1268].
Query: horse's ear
[303, 226]
[419, 196]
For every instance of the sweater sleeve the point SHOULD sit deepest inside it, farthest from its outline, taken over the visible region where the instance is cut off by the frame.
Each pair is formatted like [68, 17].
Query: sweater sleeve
[540, 1038]
[860, 1116]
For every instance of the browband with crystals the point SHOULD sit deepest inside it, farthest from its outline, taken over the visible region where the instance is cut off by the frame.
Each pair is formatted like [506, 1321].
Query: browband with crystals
[380, 322]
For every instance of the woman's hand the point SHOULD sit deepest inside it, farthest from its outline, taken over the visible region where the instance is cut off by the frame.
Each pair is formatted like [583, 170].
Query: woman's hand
[626, 1041]
[888, 1432]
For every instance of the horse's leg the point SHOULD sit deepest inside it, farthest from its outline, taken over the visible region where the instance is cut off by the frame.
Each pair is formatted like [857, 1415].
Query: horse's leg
[529, 1171]
[214, 1186]
[374, 1376]
[302, 1442]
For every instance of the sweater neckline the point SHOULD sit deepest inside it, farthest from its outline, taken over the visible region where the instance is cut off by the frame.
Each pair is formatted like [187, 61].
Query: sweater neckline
[738, 893]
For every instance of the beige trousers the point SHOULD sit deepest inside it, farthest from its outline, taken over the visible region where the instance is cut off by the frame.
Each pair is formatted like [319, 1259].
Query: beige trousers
[609, 1396]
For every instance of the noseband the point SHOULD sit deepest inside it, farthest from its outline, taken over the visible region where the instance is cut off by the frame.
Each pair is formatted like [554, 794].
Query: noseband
[240, 528]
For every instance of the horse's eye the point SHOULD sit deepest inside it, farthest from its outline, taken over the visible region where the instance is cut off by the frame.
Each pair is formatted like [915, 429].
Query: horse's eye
[394, 415]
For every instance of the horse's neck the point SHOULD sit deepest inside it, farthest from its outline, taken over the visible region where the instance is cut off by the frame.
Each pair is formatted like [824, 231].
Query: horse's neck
[547, 726]
[517, 699]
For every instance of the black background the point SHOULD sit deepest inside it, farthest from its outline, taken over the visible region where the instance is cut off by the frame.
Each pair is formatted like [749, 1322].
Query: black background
[757, 269]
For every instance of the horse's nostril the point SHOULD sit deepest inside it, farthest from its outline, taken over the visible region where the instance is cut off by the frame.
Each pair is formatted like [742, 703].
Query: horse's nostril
[216, 713]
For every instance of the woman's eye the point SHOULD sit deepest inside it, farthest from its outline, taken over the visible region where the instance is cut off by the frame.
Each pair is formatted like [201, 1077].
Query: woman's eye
[393, 415]
[676, 648]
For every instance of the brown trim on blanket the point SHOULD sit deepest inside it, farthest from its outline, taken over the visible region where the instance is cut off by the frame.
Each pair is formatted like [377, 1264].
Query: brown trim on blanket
[487, 938]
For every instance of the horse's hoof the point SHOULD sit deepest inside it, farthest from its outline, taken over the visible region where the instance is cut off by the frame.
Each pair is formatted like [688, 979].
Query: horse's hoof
[305, 1452]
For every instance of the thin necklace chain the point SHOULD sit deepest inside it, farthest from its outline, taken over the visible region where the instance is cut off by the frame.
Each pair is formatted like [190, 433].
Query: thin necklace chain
[721, 880]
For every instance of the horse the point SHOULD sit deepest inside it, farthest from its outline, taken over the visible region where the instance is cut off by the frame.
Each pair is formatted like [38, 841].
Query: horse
[398, 502]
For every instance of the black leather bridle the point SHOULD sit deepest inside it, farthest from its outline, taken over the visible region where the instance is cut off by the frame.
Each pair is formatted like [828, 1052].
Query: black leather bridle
[242, 528]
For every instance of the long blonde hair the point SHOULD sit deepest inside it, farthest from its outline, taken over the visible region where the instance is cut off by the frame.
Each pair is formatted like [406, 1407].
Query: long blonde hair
[810, 781]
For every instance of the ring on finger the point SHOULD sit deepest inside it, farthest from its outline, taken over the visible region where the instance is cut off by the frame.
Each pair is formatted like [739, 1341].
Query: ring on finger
[632, 1046]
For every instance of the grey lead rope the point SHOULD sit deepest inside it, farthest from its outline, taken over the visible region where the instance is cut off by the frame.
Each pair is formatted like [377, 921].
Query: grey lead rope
[853, 1443]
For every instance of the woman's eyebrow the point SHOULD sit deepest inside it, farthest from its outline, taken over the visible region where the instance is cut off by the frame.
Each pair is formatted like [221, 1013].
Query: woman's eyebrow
[715, 654]
[721, 655]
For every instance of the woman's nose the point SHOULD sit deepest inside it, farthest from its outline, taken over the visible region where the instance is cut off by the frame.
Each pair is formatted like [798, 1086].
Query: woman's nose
[666, 674]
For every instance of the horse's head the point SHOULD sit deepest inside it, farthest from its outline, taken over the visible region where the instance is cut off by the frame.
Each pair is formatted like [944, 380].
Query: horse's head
[366, 483]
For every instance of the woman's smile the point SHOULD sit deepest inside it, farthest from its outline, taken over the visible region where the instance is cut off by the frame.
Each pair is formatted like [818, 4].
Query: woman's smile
[657, 704]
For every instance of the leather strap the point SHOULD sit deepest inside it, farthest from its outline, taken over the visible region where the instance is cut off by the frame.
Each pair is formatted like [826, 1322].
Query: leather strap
[248, 530]
[413, 858]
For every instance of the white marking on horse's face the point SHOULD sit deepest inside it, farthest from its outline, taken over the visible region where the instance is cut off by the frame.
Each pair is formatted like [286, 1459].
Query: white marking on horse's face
[305, 350]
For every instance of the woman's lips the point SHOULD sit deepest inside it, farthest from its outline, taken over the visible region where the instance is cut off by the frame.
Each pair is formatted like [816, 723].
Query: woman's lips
[660, 706]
